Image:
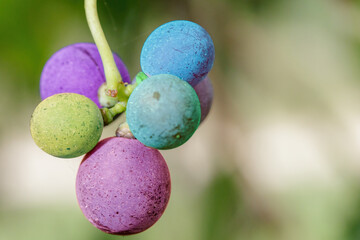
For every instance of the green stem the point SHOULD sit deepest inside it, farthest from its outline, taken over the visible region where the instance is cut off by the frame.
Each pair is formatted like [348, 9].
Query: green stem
[140, 77]
[110, 113]
[112, 75]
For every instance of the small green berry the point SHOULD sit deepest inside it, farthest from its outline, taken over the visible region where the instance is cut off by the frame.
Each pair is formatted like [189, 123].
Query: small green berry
[66, 125]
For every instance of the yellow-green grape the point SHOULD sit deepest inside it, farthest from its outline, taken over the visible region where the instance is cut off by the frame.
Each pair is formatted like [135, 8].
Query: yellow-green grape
[66, 125]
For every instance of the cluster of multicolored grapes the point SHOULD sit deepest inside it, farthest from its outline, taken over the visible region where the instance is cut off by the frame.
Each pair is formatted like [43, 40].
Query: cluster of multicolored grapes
[123, 183]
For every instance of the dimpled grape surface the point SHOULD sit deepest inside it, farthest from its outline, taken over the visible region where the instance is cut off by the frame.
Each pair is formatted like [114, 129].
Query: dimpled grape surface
[122, 186]
[163, 112]
[66, 125]
[205, 92]
[78, 69]
[181, 48]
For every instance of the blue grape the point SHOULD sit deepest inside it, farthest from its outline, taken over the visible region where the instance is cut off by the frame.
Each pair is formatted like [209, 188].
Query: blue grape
[181, 48]
[163, 112]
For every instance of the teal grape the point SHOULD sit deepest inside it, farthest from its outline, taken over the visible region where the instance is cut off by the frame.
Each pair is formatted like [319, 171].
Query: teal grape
[163, 112]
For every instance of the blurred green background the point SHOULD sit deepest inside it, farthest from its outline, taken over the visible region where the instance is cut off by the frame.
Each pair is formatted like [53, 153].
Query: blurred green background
[277, 158]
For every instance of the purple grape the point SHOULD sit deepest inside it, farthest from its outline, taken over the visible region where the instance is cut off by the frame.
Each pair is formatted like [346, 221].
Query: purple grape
[122, 186]
[205, 92]
[77, 68]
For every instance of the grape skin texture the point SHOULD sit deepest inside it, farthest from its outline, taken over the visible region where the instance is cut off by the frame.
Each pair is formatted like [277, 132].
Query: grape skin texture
[77, 68]
[181, 48]
[66, 125]
[122, 186]
[205, 92]
[163, 112]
